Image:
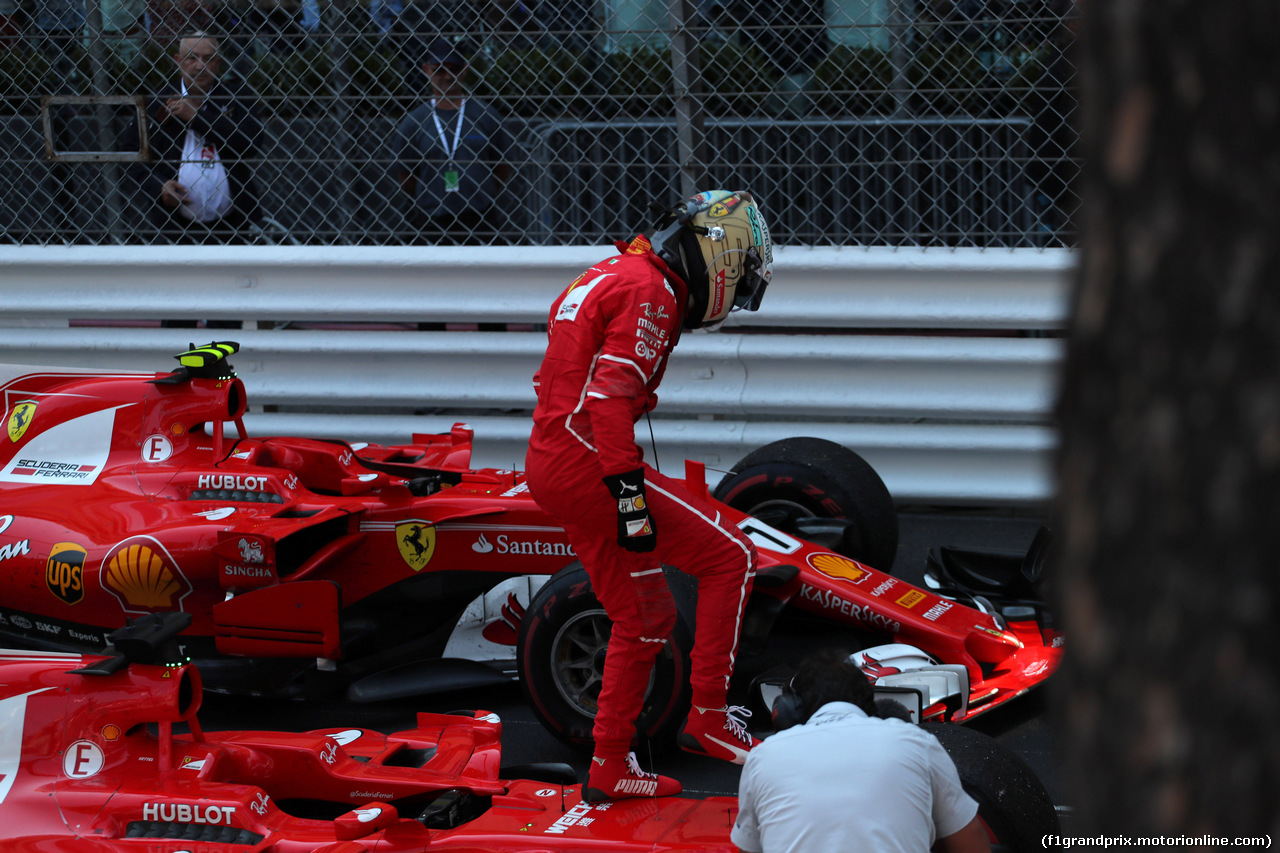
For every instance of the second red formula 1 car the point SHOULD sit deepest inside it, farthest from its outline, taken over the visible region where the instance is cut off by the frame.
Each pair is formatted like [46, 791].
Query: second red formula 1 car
[314, 567]
[105, 754]
[93, 759]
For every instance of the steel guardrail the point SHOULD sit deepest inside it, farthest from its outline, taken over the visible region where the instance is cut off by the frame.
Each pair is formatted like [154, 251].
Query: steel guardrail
[938, 365]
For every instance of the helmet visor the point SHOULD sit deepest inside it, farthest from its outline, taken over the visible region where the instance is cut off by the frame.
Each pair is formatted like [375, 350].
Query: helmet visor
[752, 284]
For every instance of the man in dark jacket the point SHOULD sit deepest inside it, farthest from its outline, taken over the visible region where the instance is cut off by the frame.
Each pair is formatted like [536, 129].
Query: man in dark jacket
[203, 136]
[451, 157]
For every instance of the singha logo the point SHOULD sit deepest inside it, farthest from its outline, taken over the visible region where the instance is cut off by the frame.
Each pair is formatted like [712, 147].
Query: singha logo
[250, 552]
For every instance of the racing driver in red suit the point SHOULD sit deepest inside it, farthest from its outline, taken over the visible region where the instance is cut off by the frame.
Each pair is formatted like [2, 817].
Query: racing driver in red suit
[609, 337]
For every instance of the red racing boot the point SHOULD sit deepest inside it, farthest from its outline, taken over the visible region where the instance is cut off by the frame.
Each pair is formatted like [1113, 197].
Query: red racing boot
[622, 778]
[718, 732]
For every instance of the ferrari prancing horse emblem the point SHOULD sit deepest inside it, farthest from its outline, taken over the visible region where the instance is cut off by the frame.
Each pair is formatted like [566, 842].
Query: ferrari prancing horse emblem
[20, 419]
[416, 540]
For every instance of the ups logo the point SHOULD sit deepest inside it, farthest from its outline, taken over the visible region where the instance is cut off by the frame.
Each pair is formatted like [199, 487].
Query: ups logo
[64, 572]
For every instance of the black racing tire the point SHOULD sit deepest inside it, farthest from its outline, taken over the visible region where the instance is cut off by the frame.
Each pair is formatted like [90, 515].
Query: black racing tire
[560, 657]
[1012, 801]
[812, 477]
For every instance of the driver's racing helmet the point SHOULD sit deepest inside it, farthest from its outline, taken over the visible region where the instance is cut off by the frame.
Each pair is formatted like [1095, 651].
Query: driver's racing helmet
[719, 244]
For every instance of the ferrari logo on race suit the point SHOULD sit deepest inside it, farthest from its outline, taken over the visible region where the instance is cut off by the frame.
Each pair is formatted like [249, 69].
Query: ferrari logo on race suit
[20, 419]
[416, 540]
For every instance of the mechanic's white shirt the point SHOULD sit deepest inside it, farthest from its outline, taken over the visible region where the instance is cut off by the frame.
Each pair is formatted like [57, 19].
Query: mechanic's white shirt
[844, 781]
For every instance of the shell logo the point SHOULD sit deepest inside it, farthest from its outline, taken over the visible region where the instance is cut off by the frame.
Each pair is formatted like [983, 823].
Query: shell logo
[841, 568]
[110, 732]
[142, 575]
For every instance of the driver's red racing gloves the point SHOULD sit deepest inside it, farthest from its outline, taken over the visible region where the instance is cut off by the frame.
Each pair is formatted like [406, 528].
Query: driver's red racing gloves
[622, 778]
[636, 530]
[718, 732]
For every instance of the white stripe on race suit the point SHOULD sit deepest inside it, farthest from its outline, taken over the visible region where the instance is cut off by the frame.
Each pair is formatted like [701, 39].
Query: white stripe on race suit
[621, 360]
[750, 574]
[587, 392]
[582, 398]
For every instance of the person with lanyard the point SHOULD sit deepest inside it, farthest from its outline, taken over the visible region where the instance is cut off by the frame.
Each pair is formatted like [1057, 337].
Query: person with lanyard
[451, 155]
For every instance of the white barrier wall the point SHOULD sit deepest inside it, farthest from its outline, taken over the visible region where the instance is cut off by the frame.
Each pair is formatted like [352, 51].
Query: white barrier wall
[939, 366]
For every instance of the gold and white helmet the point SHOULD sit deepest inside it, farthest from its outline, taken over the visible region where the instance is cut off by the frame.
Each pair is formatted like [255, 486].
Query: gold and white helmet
[719, 243]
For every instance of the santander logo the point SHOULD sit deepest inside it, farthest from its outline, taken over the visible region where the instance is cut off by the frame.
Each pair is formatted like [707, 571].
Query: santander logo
[482, 545]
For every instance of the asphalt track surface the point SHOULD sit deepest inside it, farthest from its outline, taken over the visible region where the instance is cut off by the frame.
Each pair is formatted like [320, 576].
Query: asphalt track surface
[1021, 726]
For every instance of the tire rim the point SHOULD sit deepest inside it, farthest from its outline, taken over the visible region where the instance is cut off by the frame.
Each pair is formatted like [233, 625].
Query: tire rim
[577, 660]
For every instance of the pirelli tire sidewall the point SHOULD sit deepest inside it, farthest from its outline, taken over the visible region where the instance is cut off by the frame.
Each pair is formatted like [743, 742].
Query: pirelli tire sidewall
[821, 478]
[566, 597]
[1012, 801]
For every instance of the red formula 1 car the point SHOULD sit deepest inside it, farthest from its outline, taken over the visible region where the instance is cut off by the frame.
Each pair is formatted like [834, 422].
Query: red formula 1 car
[313, 567]
[90, 763]
[105, 754]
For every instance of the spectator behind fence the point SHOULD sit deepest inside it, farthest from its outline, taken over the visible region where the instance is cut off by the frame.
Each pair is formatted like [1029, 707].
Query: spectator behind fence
[202, 133]
[849, 780]
[451, 157]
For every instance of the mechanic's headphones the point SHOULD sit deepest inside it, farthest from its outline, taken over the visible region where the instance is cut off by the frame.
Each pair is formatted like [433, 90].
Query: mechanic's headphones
[788, 709]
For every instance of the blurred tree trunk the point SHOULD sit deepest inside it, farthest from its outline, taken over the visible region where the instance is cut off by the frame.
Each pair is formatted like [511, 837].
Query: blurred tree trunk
[1168, 562]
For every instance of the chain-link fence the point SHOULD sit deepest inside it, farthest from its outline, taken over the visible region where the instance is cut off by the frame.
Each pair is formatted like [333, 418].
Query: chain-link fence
[898, 122]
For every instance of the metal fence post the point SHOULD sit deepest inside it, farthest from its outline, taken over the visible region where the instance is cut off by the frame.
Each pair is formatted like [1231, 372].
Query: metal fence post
[110, 174]
[338, 36]
[901, 15]
[686, 75]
